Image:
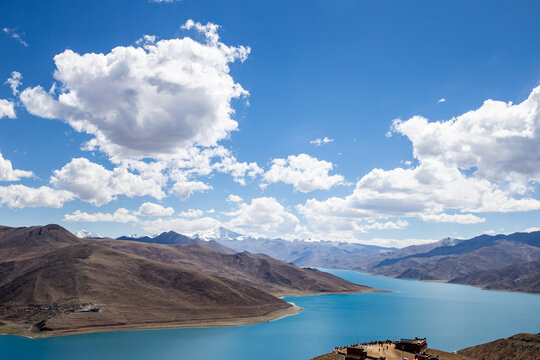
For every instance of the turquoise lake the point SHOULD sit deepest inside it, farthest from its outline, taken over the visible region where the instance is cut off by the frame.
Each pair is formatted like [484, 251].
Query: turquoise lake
[450, 316]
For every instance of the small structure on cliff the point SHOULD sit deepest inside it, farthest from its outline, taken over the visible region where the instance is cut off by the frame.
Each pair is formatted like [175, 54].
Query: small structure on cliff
[365, 351]
[383, 350]
[415, 346]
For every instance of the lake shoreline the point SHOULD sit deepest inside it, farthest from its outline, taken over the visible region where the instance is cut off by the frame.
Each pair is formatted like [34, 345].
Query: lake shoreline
[433, 281]
[16, 330]
[273, 316]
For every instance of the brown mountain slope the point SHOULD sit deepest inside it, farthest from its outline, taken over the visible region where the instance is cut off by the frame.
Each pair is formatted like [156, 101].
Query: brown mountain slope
[25, 242]
[446, 267]
[261, 271]
[174, 238]
[503, 262]
[53, 283]
[523, 277]
[48, 292]
[520, 346]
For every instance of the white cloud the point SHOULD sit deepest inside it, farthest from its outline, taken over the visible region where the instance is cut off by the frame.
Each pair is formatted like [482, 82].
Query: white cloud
[532, 229]
[454, 218]
[93, 183]
[209, 30]
[15, 35]
[388, 225]
[498, 141]
[7, 173]
[121, 216]
[154, 101]
[87, 234]
[20, 196]
[164, 1]
[304, 172]
[14, 82]
[151, 209]
[234, 198]
[146, 40]
[197, 161]
[183, 188]
[7, 109]
[429, 188]
[425, 191]
[238, 170]
[485, 160]
[319, 142]
[264, 216]
[441, 100]
[191, 213]
[490, 232]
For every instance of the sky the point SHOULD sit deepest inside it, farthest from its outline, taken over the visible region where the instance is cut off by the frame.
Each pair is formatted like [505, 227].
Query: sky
[381, 122]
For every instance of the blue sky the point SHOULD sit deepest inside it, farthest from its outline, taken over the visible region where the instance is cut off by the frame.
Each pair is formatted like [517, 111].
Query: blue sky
[141, 139]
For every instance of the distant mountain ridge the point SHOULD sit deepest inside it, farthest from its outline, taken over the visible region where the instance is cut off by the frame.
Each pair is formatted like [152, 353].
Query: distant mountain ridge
[473, 244]
[325, 254]
[174, 238]
[503, 262]
[521, 277]
[497, 262]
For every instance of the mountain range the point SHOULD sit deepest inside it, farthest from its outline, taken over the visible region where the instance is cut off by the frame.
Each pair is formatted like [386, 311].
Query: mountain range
[54, 283]
[497, 262]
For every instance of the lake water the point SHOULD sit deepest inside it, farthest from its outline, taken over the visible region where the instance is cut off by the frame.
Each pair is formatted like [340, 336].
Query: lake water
[450, 316]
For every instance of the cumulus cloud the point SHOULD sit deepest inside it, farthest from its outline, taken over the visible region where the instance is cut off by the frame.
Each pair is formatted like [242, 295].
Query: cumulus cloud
[265, 216]
[153, 101]
[151, 209]
[15, 35]
[7, 109]
[234, 198]
[14, 81]
[498, 141]
[93, 183]
[157, 109]
[7, 173]
[304, 172]
[319, 142]
[121, 216]
[426, 190]
[20, 196]
[441, 100]
[485, 160]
